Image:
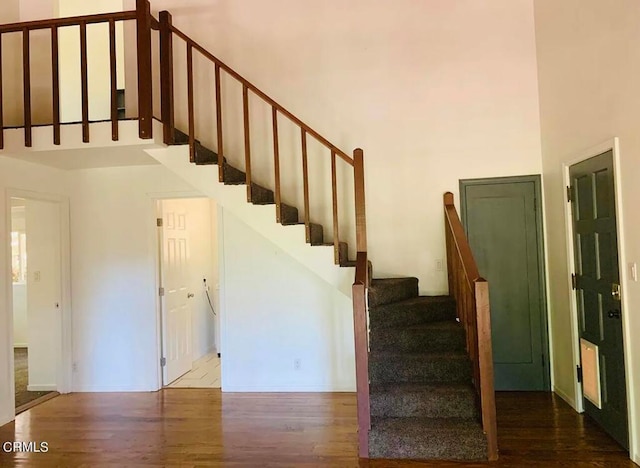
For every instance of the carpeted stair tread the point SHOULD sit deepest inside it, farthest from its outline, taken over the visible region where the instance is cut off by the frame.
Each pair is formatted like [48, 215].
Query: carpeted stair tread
[317, 236]
[387, 290]
[427, 439]
[385, 366]
[426, 337]
[432, 400]
[261, 195]
[233, 176]
[204, 156]
[288, 214]
[413, 311]
[180, 138]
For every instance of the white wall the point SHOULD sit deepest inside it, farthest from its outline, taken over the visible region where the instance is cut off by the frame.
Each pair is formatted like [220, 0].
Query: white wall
[43, 293]
[275, 311]
[114, 276]
[26, 176]
[432, 91]
[589, 91]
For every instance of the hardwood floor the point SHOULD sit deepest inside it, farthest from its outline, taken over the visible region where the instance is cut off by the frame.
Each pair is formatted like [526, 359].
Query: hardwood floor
[202, 427]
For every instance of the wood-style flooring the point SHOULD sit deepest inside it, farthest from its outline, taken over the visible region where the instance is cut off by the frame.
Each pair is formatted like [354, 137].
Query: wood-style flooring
[203, 427]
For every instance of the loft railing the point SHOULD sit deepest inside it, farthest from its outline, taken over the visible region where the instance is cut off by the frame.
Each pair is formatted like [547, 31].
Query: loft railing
[145, 23]
[471, 293]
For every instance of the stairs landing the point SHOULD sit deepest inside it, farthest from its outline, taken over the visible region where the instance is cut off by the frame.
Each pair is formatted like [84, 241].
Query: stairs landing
[423, 404]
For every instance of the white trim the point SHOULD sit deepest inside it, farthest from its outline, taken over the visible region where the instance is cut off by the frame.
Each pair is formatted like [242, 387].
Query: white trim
[42, 388]
[288, 388]
[20, 345]
[112, 388]
[222, 295]
[566, 397]
[613, 145]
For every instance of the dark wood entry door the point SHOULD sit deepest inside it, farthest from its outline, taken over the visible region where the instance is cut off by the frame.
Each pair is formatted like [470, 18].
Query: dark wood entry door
[504, 226]
[598, 286]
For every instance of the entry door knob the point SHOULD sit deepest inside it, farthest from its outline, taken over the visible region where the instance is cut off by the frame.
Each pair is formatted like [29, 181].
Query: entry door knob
[614, 314]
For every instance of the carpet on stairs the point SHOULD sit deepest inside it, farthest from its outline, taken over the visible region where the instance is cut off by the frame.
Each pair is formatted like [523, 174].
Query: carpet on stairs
[422, 400]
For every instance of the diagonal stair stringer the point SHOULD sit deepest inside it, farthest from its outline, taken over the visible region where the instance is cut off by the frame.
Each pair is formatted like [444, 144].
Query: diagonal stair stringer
[318, 258]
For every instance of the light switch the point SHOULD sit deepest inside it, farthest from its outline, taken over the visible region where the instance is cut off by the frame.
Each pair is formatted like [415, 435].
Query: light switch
[633, 271]
[36, 276]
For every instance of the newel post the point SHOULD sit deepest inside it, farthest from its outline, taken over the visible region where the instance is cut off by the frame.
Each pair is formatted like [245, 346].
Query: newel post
[145, 92]
[361, 217]
[166, 77]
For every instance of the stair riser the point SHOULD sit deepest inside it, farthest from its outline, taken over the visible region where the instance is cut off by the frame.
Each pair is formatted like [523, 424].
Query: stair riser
[440, 446]
[409, 341]
[397, 316]
[441, 370]
[424, 405]
[382, 293]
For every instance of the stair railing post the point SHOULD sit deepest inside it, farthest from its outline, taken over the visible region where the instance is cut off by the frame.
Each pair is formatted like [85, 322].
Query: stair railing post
[145, 92]
[361, 217]
[166, 78]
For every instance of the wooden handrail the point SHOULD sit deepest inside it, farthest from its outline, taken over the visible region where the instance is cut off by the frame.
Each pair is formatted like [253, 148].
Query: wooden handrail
[471, 293]
[262, 95]
[70, 21]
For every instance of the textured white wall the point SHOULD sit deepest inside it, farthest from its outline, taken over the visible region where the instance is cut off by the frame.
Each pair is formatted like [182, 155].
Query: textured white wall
[589, 94]
[275, 311]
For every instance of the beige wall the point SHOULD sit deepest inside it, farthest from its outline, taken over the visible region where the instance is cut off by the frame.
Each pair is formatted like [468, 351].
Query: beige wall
[433, 91]
[589, 93]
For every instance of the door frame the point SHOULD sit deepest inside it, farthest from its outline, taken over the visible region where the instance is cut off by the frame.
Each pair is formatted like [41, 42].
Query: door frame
[65, 358]
[542, 255]
[612, 145]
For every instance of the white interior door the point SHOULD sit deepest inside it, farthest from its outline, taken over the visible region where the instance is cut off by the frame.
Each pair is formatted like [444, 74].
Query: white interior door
[176, 312]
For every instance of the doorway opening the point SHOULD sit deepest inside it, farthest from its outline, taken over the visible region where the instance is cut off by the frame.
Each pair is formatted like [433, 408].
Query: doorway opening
[37, 300]
[188, 282]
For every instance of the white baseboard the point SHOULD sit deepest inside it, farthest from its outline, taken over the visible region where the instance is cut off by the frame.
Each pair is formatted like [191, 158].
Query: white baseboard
[42, 388]
[111, 389]
[7, 417]
[287, 389]
[570, 400]
[20, 345]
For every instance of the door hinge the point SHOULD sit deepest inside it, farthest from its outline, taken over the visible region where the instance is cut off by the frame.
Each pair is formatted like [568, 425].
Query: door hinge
[574, 281]
[159, 222]
[160, 292]
[579, 373]
[163, 362]
[569, 194]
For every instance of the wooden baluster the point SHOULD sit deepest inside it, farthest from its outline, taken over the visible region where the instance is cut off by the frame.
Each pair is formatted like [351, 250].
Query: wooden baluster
[334, 196]
[219, 128]
[1, 97]
[247, 140]
[276, 163]
[55, 85]
[166, 78]
[84, 82]
[26, 79]
[305, 175]
[145, 77]
[114, 80]
[361, 218]
[192, 125]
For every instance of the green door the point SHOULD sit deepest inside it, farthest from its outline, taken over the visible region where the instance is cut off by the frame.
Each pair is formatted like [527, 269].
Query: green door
[505, 233]
[597, 286]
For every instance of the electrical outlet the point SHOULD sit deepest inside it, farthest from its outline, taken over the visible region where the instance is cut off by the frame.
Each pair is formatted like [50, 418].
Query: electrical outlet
[296, 364]
[74, 367]
[36, 276]
[439, 265]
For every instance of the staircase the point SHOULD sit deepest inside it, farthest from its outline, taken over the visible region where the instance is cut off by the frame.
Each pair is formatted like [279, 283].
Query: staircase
[423, 404]
[424, 370]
